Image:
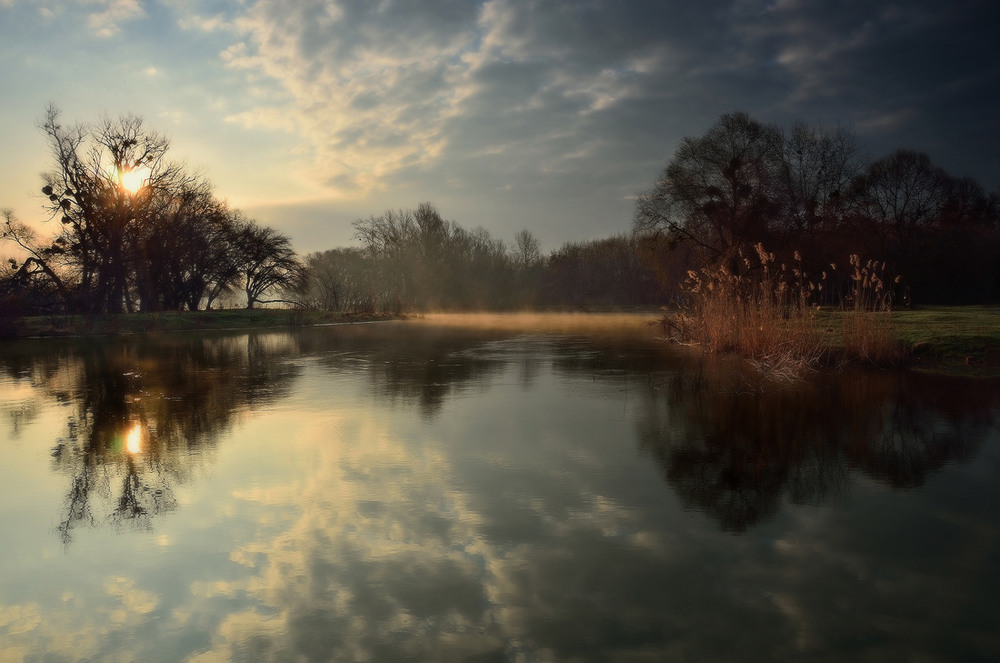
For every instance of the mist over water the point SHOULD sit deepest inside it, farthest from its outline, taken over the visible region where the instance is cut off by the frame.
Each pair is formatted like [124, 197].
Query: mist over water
[630, 324]
[531, 488]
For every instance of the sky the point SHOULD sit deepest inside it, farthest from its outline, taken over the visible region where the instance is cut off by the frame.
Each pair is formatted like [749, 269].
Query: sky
[549, 115]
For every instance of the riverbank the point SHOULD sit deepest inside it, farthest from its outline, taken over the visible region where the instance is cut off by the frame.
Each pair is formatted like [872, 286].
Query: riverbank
[953, 340]
[172, 321]
[959, 340]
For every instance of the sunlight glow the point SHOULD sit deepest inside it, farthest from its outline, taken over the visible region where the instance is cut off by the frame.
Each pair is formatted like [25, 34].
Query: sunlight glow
[133, 179]
[133, 441]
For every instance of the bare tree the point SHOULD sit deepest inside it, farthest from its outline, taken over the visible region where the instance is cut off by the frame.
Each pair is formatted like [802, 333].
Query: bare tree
[266, 261]
[102, 190]
[38, 257]
[896, 198]
[139, 232]
[820, 164]
[526, 250]
[187, 255]
[720, 190]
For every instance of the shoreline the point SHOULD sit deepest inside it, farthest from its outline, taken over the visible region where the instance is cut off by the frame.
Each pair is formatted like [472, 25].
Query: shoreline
[948, 340]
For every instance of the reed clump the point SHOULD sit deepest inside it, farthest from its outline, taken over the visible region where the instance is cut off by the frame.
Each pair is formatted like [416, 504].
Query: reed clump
[866, 319]
[769, 313]
[754, 308]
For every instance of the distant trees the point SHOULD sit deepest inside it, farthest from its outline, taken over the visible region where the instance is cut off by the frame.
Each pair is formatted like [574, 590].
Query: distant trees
[941, 232]
[420, 261]
[896, 198]
[413, 260]
[340, 280]
[605, 272]
[744, 182]
[138, 232]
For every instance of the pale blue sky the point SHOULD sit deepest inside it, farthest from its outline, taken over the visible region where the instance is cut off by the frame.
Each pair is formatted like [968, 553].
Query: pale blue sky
[542, 114]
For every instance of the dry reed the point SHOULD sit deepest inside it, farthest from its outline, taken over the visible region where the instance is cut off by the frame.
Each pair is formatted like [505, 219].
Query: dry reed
[767, 313]
[755, 309]
[866, 321]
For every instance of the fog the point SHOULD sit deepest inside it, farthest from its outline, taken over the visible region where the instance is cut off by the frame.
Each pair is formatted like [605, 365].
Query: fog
[640, 323]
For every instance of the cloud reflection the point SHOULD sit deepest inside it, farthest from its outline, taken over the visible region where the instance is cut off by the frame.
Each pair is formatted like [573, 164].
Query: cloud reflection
[496, 496]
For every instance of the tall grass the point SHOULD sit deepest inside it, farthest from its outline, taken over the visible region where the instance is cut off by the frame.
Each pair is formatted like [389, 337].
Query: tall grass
[767, 313]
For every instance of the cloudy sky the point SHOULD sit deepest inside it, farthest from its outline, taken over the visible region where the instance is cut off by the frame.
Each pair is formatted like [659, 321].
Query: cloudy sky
[541, 114]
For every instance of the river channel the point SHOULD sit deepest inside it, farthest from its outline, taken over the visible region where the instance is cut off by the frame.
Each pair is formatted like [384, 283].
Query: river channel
[434, 491]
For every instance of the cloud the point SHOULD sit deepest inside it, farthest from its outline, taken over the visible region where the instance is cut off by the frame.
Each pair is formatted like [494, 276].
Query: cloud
[875, 121]
[106, 19]
[366, 86]
[389, 90]
[555, 110]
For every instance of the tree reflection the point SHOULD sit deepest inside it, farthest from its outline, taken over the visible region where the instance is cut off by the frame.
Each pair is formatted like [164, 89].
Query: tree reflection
[736, 452]
[142, 414]
[410, 363]
[728, 445]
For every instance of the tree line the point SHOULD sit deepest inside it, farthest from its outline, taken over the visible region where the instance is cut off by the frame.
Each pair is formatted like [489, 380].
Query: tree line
[137, 231]
[414, 260]
[170, 244]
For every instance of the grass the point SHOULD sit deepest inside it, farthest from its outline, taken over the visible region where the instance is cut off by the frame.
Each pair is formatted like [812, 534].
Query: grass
[136, 323]
[958, 339]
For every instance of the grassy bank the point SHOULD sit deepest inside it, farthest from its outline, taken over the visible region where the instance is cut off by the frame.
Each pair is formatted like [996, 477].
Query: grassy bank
[957, 340]
[766, 311]
[137, 323]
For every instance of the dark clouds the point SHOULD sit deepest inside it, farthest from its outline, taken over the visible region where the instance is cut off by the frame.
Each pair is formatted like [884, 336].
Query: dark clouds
[552, 115]
[576, 106]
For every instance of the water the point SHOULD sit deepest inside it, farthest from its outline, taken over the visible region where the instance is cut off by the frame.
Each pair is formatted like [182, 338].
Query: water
[411, 492]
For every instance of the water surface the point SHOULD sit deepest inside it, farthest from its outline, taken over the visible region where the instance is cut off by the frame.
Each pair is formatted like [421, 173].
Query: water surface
[411, 491]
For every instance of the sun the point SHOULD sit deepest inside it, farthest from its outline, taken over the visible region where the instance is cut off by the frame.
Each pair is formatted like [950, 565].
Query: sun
[133, 179]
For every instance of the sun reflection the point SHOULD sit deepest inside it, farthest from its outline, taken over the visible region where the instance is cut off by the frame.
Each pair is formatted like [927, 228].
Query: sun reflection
[133, 441]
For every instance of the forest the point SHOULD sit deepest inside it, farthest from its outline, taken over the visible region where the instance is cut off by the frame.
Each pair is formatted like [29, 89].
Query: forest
[138, 232]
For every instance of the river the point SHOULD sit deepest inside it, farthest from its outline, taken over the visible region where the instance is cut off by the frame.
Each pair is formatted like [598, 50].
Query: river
[433, 490]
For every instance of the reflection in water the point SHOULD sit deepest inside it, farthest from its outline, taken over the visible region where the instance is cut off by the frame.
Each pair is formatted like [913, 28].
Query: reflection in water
[399, 492]
[143, 412]
[419, 364]
[735, 451]
[133, 441]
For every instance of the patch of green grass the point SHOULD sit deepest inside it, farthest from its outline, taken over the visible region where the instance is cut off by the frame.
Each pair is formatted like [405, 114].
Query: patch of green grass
[953, 339]
[962, 338]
